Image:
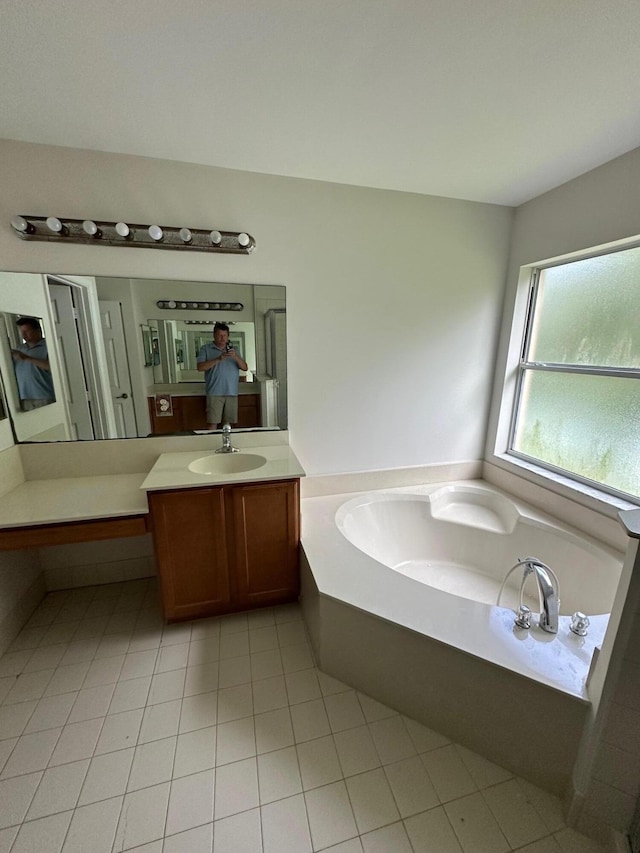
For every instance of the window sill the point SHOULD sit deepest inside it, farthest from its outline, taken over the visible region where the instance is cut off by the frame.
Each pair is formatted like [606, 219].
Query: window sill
[572, 495]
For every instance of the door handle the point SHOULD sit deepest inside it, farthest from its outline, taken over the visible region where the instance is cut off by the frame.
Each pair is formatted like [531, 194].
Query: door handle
[122, 397]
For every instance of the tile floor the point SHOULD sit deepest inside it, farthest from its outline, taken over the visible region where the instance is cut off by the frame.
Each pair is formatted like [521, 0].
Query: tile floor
[119, 733]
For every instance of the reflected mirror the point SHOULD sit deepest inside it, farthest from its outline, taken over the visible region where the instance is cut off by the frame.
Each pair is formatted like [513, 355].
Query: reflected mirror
[123, 365]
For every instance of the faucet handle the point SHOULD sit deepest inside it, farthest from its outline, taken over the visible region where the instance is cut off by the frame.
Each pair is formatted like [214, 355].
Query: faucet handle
[523, 617]
[579, 624]
[226, 429]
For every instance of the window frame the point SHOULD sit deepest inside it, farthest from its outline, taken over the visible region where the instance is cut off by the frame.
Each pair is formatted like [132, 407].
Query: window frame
[517, 367]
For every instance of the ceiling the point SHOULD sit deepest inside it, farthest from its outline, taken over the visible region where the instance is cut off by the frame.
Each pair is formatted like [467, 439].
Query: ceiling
[488, 100]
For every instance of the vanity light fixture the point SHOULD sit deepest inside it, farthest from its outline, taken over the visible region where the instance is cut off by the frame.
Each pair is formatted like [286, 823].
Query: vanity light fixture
[89, 227]
[54, 225]
[123, 230]
[20, 224]
[181, 305]
[94, 233]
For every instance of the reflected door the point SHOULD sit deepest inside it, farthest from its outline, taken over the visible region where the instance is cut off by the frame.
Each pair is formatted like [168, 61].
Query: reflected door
[118, 366]
[71, 363]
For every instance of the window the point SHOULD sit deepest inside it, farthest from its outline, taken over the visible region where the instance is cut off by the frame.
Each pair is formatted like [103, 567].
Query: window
[577, 407]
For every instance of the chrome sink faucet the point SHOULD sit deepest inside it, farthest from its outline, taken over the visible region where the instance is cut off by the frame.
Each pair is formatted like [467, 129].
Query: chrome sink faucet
[227, 447]
[548, 593]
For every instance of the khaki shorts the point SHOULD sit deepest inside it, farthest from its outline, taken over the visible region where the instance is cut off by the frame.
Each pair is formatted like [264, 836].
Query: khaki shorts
[222, 410]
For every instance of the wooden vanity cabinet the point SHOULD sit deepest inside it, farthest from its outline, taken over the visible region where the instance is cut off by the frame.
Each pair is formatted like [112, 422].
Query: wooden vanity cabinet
[225, 548]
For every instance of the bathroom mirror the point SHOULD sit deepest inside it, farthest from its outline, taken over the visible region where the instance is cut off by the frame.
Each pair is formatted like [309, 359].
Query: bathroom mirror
[114, 353]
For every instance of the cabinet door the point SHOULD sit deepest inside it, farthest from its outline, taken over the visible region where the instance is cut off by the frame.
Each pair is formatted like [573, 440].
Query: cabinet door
[191, 552]
[266, 525]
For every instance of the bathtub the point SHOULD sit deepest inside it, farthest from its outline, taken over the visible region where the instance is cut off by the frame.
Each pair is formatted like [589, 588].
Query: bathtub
[400, 593]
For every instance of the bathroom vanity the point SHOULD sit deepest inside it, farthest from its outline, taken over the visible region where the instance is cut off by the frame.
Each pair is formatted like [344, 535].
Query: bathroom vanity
[226, 530]
[225, 527]
[225, 548]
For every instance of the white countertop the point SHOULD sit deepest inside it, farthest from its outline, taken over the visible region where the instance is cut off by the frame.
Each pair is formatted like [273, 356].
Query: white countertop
[171, 471]
[67, 499]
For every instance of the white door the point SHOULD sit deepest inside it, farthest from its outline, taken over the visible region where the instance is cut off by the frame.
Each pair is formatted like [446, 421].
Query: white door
[71, 364]
[118, 367]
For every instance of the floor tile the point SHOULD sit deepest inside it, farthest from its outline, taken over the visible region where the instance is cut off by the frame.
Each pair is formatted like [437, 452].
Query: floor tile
[344, 711]
[93, 827]
[142, 818]
[77, 741]
[356, 751]
[16, 795]
[263, 639]
[31, 685]
[190, 802]
[518, 819]
[31, 753]
[412, 789]
[269, 694]
[51, 712]
[106, 777]
[235, 703]
[372, 800]
[129, 695]
[45, 835]
[484, 773]
[240, 833]
[236, 788]
[234, 671]
[160, 721]
[90, 702]
[273, 730]
[390, 838]
[309, 720]
[330, 815]
[152, 764]
[450, 777]
[302, 686]
[198, 840]
[279, 775]
[235, 740]
[475, 826]
[14, 718]
[424, 739]
[195, 751]
[319, 763]
[431, 832]
[119, 731]
[198, 712]
[285, 826]
[59, 789]
[391, 739]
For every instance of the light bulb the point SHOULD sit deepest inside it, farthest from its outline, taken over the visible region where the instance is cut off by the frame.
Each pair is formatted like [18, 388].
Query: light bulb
[54, 224]
[185, 235]
[193, 305]
[89, 227]
[19, 223]
[243, 240]
[123, 230]
[216, 238]
[171, 303]
[205, 304]
[155, 232]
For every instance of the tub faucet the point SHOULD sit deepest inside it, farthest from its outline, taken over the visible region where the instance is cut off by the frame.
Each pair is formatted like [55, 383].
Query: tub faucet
[548, 593]
[227, 447]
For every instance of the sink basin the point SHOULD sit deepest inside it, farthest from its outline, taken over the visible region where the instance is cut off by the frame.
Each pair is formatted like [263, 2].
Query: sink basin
[227, 463]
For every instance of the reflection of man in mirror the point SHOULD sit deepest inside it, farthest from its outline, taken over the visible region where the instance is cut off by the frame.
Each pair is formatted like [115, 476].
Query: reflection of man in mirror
[221, 365]
[31, 364]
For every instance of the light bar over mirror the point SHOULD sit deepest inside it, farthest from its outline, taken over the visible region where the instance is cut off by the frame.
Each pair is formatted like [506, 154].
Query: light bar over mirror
[100, 233]
[123, 367]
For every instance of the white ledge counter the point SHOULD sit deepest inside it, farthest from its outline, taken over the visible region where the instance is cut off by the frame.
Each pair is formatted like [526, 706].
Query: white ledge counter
[171, 471]
[67, 499]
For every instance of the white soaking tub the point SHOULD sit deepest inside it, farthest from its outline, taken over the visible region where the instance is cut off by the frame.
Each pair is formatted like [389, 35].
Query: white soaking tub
[400, 589]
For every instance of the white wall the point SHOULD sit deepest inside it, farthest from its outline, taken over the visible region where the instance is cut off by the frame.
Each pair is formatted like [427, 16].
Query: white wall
[393, 299]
